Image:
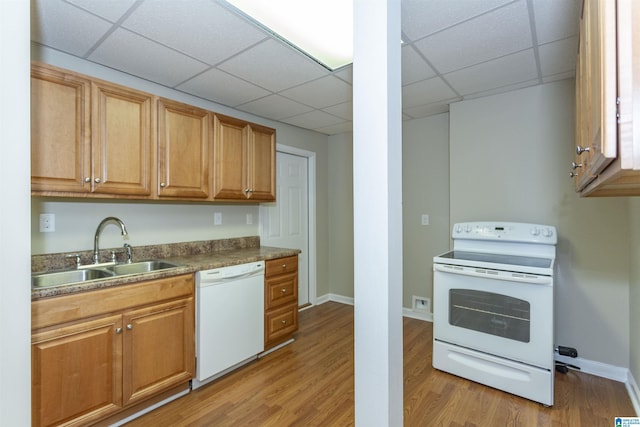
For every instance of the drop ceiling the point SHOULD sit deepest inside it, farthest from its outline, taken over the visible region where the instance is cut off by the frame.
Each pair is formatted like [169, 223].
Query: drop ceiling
[453, 50]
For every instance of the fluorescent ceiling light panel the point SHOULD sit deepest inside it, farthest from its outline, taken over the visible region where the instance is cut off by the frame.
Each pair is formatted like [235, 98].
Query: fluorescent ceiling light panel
[322, 29]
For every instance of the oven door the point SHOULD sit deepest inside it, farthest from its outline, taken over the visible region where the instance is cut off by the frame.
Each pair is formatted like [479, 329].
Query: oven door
[502, 313]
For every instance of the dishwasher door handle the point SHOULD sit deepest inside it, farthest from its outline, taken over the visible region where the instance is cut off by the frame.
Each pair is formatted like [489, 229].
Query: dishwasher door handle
[211, 279]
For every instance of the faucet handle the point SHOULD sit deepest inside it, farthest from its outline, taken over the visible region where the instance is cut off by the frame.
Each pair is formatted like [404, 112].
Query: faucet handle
[76, 256]
[127, 248]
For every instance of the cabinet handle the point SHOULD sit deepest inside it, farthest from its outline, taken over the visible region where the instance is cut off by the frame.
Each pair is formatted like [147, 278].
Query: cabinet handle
[97, 180]
[284, 322]
[87, 179]
[580, 150]
[284, 290]
[129, 326]
[284, 265]
[573, 174]
[575, 165]
[118, 330]
[162, 185]
[246, 190]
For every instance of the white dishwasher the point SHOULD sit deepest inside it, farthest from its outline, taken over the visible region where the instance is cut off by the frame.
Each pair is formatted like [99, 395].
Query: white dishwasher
[229, 319]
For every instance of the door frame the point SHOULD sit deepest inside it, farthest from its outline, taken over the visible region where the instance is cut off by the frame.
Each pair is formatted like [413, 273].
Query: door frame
[311, 209]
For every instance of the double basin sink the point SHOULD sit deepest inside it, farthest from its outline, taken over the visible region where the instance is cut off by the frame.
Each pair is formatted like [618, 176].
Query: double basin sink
[85, 273]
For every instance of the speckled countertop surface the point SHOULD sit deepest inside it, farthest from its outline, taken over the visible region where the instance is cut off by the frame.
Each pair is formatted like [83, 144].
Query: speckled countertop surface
[191, 256]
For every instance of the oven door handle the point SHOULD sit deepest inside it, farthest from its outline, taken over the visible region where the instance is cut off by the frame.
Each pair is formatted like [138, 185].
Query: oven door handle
[494, 274]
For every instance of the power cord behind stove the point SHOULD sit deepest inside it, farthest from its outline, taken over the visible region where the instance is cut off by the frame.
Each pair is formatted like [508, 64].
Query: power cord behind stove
[564, 367]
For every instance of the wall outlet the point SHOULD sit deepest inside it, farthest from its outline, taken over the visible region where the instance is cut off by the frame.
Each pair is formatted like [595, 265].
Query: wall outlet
[421, 304]
[425, 219]
[47, 223]
[217, 218]
[249, 219]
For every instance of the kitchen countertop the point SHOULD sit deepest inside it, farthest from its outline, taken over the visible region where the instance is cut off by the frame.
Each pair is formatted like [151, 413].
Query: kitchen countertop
[197, 256]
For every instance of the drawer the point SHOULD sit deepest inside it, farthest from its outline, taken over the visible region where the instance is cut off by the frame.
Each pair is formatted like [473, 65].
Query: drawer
[278, 266]
[281, 290]
[281, 323]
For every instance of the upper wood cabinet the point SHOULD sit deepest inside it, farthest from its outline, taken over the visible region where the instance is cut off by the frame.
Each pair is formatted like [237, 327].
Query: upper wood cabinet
[253, 147]
[184, 138]
[89, 136]
[60, 130]
[607, 134]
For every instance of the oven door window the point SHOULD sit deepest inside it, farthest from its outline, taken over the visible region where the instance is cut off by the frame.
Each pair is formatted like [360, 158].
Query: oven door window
[495, 314]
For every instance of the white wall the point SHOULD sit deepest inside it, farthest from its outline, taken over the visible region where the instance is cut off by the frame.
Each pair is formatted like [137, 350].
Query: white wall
[509, 158]
[425, 186]
[341, 215]
[15, 295]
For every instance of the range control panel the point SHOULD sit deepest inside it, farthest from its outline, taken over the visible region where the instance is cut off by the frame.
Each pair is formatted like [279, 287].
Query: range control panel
[506, 231]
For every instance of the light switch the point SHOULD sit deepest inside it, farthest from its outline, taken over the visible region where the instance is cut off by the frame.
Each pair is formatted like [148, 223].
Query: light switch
[425, 219]
[217, 218]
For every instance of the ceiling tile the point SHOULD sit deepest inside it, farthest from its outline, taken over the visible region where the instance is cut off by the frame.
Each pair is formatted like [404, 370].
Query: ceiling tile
[341, 110]
[133, 54]
[421, 18]
[345, 74]
[414, 67]
[426, 92]
[426, 110]
[275, 107]
[112, 10]
[273, 66]
[222, 88]
[503, 31]
[558, 57]
[556, 19]
[335, 129]
[178, 23]
[500, 72]
[50, 26]
[321, 93]
[313, 120]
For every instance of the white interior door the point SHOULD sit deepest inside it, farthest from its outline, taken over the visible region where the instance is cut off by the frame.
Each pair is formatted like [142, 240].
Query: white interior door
[285, 224]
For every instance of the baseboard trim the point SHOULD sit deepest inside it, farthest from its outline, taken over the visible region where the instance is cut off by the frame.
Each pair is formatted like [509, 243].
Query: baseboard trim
[598, 369]
[634, 392]
[406, 312]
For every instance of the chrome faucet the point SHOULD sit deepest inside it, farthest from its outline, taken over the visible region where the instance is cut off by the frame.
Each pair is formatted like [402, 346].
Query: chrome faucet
[103, 223]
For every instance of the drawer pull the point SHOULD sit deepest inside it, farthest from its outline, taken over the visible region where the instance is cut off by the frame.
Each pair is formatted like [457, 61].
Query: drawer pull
[284, 265]
[284, 322]
[284, 290]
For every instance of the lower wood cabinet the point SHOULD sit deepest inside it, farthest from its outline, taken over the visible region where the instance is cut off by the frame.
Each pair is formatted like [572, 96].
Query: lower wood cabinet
[281, 300]
[98, 353]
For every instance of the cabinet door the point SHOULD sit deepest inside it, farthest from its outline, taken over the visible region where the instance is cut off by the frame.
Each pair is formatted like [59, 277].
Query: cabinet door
[76, 372]
[599, 17]
[261, 163]
[230, 154]
[122, 137]
[60, 131]
[183, 150]
[159, 349]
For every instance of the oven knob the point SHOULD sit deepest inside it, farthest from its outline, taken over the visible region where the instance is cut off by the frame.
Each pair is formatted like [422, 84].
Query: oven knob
[468, 228]
[458, 228]
[547, 232]
[535, 231]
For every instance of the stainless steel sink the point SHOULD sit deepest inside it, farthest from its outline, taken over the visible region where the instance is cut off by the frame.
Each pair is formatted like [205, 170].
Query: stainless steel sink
[141, 267]
[58, 278]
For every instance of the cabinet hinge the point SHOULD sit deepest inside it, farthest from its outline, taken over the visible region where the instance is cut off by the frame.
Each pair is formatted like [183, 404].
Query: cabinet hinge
[618, 109]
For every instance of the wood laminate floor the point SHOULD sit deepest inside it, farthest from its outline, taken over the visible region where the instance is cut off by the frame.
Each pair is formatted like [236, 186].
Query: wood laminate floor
[310, 383]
